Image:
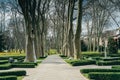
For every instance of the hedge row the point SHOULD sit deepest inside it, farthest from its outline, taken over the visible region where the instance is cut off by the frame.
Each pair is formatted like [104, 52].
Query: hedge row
[23, 65]
[3, 61]
[5, 66]
[4, 58]
[115, 67]
[15, 73]
[80, 62]
[15, 57]
[110, 58]
[8, 78]
[100, 63]
[99, 70]
[104, 76]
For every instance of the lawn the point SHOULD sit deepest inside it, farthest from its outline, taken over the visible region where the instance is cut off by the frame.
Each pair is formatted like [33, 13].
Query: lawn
[3, 54]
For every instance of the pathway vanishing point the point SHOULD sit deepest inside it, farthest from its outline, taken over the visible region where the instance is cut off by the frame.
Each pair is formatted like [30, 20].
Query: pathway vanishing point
[54, 68]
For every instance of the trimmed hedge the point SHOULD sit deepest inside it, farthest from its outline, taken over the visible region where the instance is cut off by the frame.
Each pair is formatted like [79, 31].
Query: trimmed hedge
[23, 65]
[15, 73]
[100, 63]
[4, 58]
[80, 62]
[8, 78]
[115, 67]
[99, 70]
[104, 76]
[3, 62]
[91, 54]
[5, 66]
[110, 58]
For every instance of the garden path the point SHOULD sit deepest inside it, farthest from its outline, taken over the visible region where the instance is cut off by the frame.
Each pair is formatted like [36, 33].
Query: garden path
[55, 68]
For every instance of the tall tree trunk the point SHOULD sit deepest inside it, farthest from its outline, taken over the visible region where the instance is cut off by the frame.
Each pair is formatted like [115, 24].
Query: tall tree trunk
[77, 54]
[71, 35]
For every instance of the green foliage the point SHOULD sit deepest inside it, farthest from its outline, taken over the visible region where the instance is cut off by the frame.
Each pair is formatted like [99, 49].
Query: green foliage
[115, 67]
[15, 73]
[5, 66]
[8, 78]
[3, 61]
[91, 54]
[116, 62]
[52, 51]
[80, 62]
[110, 58]
[24, 65]
[4, 58]
[104, 76]
[112, 46]
[99, 70]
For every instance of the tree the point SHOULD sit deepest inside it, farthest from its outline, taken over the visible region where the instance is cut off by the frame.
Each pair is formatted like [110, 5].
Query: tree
[70, 28]
[28, 9]
[77, 54]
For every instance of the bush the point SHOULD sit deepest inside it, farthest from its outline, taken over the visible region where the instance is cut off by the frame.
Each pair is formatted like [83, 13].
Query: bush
[21, 65]
[63, 56]
[8, 78]
[91, 54]
[104, 76]
[110, 58]
[99, 70]
[4, 58]
[25, 63]
[114, 55]
[115, 67]
[100, 63]
[112, 46]
[5, 66]
[15, 73]
[3, 61]
[80, 62]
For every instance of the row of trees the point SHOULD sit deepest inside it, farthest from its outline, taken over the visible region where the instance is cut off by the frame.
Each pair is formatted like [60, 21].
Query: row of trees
[38, 25]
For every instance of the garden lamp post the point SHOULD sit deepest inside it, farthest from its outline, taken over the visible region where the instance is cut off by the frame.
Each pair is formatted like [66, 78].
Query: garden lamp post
[106, 43]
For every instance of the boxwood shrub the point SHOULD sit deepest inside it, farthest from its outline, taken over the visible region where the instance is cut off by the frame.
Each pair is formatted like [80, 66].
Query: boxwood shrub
[115, 67]
[104, 76]
[100, 63]
[5, 66]
[99, 70]
[4, 58]
[3, 61]
[80, 62]
[110, 58]
[35, 63]
[15, 73]
[23, 65]
[91, 54]
[8, 78]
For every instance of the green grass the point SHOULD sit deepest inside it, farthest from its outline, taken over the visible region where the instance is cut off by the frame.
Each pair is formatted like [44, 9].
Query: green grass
[52, 51]
[2, 54]
[19, 77]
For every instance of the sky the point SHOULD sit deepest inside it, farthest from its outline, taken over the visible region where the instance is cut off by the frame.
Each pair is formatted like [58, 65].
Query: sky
[112, 26]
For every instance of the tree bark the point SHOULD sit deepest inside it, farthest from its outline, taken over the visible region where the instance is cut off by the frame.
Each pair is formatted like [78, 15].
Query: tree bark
[77, 54]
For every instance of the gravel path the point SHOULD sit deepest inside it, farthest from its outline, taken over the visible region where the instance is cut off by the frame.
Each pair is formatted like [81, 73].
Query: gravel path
[54, 68]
